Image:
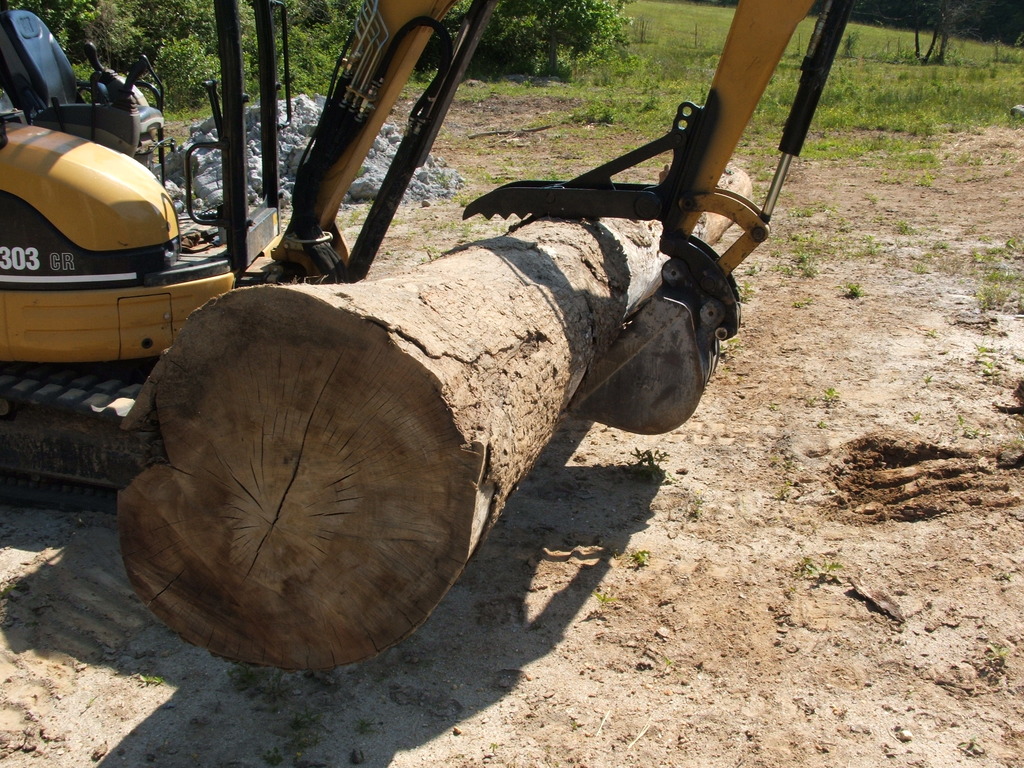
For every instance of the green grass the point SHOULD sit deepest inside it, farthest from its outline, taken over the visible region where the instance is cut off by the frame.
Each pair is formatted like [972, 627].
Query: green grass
[640, 558]
[998, 271]
[881, 108]
[879, 100]
[649, 465]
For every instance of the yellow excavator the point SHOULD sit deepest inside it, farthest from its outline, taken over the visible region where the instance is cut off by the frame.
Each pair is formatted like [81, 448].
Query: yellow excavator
[95, 281]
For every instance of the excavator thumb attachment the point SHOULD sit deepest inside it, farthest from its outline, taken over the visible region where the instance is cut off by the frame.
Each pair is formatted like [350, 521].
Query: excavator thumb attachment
[652, 378]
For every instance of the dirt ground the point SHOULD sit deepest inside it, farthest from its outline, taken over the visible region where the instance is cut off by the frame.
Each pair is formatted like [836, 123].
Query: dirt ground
[824, 567]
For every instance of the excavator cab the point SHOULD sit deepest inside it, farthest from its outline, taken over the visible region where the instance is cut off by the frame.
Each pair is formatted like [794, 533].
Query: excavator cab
[109, 110]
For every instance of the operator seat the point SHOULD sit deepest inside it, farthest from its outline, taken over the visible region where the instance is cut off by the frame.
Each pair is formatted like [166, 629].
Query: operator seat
[38, 78]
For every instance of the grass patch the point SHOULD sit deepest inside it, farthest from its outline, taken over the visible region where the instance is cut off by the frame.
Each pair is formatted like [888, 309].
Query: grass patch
[648, 465]
[825, 571]
[879, 104]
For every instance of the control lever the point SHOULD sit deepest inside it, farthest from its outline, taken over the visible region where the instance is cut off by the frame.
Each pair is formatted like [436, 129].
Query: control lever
[93, 56]
[125, 98]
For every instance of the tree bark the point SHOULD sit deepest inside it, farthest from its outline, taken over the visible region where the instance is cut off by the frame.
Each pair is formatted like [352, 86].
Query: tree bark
[335, 454]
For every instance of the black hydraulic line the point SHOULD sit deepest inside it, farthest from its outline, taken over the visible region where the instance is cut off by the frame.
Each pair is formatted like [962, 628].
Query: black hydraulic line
[828, 33]
[157, 89]
[334, 131]
[385, 63]
[424, 123]
[285, 61]
[234, 210]
[817, 64]
[210, 86]
[266, 54]
[340, 123]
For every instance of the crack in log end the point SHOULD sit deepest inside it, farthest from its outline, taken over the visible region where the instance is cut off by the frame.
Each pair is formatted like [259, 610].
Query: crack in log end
[296, 465]
[169, 584]
[344, 500]
[341, 479]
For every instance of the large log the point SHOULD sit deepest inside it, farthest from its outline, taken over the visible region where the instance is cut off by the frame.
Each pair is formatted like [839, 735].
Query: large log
[335, 454]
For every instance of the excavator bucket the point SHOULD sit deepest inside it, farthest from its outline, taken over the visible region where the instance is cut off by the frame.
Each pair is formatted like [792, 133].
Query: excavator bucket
[653, 377]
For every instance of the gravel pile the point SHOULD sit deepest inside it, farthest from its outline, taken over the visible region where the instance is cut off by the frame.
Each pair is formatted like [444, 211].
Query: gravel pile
[433, 181]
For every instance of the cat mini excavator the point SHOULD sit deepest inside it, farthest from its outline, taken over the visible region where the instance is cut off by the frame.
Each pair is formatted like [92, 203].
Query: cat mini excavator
[95, 283]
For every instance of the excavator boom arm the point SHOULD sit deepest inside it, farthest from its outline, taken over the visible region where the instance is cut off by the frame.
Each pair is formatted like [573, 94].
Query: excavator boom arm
[760, 32]
[386, 43]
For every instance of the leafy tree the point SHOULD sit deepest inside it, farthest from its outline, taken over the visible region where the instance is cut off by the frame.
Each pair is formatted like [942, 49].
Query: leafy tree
[113, 29]
[180, 38]
[945, 18]
[574, 27]
[991, 20]
[543, 36]
[935, 22]
[318, 32]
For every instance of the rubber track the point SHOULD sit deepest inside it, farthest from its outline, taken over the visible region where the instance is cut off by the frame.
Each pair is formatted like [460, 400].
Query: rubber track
[84, 392]
[42, 493]
[67, 389]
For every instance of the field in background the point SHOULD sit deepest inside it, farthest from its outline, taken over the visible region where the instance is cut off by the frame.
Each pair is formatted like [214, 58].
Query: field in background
[876, 84]
[882, 112]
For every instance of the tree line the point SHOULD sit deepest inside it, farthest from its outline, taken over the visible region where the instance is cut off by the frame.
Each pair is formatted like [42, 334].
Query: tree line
[179, 36]
[936, 21]
[525, 36]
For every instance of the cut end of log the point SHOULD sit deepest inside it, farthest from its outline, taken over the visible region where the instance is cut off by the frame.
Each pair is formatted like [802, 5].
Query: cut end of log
[307, 483]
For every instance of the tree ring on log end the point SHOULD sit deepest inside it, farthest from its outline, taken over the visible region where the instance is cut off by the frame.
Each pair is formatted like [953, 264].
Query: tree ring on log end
[318, 499]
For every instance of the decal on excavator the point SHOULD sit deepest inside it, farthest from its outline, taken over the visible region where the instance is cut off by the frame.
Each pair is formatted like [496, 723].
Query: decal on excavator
[18, 258]
[27, 259]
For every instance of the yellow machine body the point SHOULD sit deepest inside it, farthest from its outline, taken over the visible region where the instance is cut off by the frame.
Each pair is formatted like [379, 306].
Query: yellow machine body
[74, 206]
[93, 326]
[96, 197]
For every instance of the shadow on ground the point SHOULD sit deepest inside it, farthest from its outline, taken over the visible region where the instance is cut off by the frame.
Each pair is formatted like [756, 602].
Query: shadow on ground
[471, 653]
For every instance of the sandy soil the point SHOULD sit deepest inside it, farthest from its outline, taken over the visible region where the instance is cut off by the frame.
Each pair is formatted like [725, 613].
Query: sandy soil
[829, 573]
